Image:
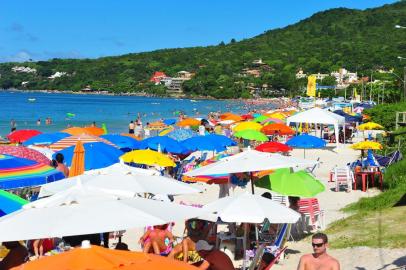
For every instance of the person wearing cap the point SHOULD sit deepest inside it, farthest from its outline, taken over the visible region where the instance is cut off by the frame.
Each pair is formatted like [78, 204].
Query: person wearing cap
[212, 259]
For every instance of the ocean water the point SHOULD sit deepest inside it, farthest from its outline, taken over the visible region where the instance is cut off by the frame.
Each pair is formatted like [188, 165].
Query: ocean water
[115, 111]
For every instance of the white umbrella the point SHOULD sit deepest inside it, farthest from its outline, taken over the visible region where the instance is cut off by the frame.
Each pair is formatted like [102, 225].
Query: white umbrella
[251, 208]
[251, 161]
[122, 168]
[84, 211]
[122, 184]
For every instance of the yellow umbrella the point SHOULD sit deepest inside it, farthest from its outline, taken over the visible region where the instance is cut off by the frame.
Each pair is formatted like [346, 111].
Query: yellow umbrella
[166, 131]
[247, 125]
[370, 126]
[78, 160]
[148, 157]
[367, 145]
[277, 115]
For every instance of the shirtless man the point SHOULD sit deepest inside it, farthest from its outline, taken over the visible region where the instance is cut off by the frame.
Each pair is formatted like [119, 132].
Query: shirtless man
[319, 260]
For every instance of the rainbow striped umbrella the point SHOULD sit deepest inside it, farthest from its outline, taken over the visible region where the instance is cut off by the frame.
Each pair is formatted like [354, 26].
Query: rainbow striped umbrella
[20, 172]
[10, 203]
[71, 141]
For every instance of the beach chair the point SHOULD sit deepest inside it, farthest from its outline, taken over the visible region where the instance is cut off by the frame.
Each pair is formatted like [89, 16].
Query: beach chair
[311, 214]
[277, 256]
[343, 177]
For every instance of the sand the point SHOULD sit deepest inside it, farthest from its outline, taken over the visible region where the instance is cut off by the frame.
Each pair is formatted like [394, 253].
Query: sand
[330, 201]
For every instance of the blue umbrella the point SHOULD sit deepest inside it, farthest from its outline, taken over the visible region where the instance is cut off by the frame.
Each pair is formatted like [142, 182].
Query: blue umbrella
[46, 138]
[125, 143]
[169, 121]
[10, 203]
[164, 143]
[182, 134]
[97, 155]
[306, 141]
[221, 139]
[203, 143]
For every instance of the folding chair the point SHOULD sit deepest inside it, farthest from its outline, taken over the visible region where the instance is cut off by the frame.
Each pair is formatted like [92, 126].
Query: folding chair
[311, 169]
[343, 177]
[311, 213]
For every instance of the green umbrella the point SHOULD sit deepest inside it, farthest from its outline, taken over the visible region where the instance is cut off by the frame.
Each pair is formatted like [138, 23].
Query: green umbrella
[300, 184]
[260, 118]
[250, 134]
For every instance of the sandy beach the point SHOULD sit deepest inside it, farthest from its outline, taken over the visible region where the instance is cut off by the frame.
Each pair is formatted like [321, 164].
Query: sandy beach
[330, 201]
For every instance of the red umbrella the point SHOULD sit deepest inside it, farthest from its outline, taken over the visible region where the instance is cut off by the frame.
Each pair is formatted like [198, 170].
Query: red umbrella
[273, 147]
[20, 136]
[247, 116]
[24, 152]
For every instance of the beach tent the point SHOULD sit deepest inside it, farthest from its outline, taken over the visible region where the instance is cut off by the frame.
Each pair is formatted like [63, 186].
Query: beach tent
[318, 116]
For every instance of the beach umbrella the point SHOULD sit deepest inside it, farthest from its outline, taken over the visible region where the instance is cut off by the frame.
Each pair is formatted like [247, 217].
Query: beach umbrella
[158, 125]
[71, 141]
[277, 128]
[234, 117]
[166, 131]
[131, 136]
[81, 210]
[273, 147]
[188, 122]
[96, 131]
[20, 136]
[181, 134]
[46, 138]
[221, 139]
[97, 155]
[78, 160]
[203, 143]
[272, 120]
[306, 141]
[226, 122]
[123, 142]
[250, 161]
[24, 152]
[99, 258]
[169, 121]
[164, 143]
[19, 172]
[247, 116]
[367, 145]
[251, 208]
[247, 125]
[148, 157]
[253, 135]
[370, 126]
[43, 150]
[122, 183]
[349, 118]
[75, 131]
[260, 118]
[285, 182]
[277, 115]
[10, 202]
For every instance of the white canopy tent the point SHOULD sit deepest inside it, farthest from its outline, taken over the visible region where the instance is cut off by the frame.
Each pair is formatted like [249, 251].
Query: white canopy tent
[318, 116]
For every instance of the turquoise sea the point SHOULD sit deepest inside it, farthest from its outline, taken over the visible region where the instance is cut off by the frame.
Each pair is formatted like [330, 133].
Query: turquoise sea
[115, 111]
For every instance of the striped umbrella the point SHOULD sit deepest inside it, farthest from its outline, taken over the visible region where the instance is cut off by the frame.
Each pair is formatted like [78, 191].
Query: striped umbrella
[24, 152]
[71, 141]
[20, 172]
[10, 203]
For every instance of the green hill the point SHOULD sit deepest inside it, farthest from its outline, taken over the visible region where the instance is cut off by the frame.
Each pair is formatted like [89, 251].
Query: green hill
[358, 40]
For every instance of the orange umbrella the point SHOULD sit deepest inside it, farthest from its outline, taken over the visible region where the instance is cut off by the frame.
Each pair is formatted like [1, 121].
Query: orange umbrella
[188, 122]
[96, 131]
[157, 125]
[75, 131]
[281, 129]
[78, 160]
[233, 117]
[225, 115]
[98, 258]
[70, 141]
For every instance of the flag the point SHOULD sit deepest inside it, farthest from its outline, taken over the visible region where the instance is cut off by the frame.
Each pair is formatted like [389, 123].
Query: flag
[311, 86]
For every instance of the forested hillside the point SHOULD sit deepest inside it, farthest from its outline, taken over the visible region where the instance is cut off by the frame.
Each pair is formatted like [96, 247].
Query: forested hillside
[356, 40]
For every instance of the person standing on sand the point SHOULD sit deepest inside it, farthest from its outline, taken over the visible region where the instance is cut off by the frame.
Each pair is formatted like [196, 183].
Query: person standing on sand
[319, 259]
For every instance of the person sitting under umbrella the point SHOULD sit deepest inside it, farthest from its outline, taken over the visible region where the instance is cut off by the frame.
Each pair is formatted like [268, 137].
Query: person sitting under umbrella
[212, 259]
[156, 239]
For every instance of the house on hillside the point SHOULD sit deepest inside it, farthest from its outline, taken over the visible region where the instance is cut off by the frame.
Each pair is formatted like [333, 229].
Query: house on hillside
[185, 75]
[300, 74]
[344, 77]
[158, 77]
[19, 69]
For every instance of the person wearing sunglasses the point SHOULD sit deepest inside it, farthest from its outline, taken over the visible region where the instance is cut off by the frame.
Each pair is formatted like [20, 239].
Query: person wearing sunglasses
[319, 259]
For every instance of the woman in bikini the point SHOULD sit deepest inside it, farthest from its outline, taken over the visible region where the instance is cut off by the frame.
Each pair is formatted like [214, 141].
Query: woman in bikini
[155, 239]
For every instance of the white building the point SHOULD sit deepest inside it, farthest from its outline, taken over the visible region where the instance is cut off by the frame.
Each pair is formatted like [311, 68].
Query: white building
[23, 69]
[57, 75]
[344, 77]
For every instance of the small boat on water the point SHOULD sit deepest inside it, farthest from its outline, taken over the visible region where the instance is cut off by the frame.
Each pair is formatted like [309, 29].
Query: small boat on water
[32, 99]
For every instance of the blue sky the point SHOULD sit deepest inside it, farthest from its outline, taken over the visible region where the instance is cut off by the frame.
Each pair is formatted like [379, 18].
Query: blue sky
[44, 29]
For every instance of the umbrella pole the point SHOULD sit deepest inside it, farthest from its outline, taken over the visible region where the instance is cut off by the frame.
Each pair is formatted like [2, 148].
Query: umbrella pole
[256, 227]
[252, 183]
[245, 251]
[304, 153]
